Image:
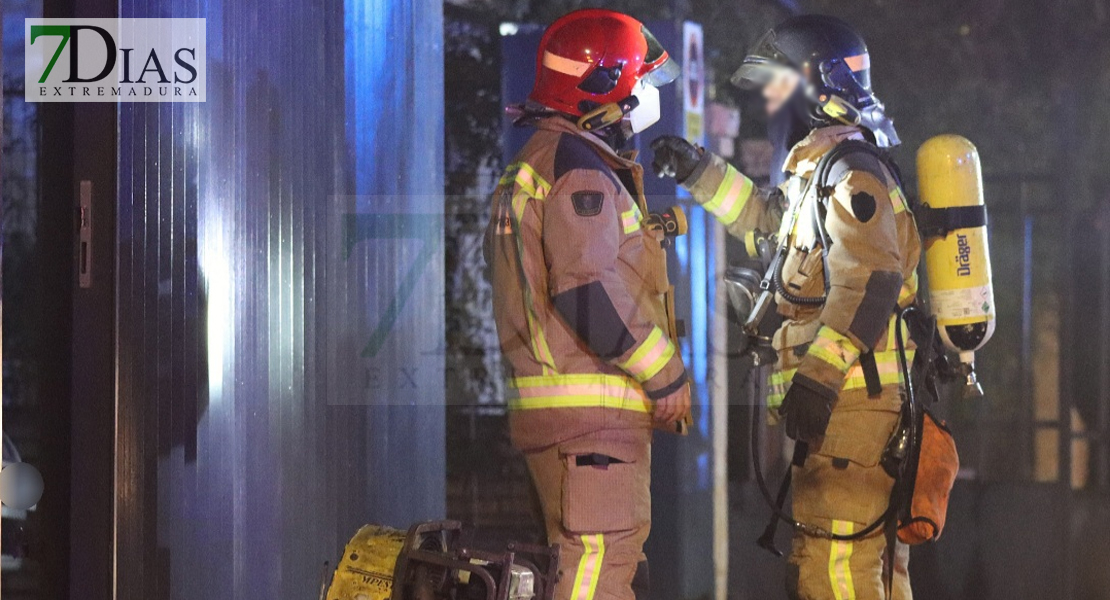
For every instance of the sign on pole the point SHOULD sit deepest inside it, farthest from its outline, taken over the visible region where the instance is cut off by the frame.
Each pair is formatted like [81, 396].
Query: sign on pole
[693, 82]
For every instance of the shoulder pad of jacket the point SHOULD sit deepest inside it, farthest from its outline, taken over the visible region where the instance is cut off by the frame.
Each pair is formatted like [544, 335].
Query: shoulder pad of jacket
[573, 153]
[856, 161]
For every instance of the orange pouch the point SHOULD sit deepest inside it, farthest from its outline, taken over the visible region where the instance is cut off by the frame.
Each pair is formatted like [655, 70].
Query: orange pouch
[937, 465]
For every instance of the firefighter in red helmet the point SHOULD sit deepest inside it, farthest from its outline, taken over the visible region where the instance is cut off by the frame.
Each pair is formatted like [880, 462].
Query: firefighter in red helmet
[580, 285]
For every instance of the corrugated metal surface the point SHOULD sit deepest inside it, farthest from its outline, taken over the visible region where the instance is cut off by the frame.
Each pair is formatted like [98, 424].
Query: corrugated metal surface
[280, 298]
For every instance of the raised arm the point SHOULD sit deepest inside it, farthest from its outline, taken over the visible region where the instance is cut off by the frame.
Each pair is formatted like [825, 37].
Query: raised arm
[722, 190]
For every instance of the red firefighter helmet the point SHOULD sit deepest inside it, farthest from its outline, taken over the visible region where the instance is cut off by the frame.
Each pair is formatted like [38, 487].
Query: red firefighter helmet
[597, 56]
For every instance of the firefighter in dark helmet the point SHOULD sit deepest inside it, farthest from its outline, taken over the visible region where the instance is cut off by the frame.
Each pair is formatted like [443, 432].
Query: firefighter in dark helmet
[836, 382]
[580, 283]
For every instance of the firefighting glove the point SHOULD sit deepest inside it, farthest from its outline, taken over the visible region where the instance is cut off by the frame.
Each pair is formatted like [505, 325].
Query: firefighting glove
[674, 157]
[806, 409]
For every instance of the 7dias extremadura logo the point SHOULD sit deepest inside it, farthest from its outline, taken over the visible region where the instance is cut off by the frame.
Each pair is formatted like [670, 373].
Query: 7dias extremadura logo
[114, 60]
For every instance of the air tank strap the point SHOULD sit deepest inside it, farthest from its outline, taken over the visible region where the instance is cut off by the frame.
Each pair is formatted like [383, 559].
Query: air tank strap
[939, 222]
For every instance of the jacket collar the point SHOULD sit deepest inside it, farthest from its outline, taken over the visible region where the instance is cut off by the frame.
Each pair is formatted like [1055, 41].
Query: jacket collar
[804, 156]
[611, 157]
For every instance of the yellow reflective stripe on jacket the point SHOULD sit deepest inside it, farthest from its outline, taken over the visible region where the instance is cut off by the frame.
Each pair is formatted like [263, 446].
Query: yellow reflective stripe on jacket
[834, 348]
[540, 350]
[886, 363]
[589, 567]
[650, 357]
[577, 390]
[630, 220]
[530, 182]
[731, 196]
[898, 201]
[520, 202]
[840, 569]
[780, 382]
[532, 186]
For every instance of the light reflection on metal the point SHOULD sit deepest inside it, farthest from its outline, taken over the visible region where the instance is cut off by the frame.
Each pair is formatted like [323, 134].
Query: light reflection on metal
[253, 435]
[215, 269]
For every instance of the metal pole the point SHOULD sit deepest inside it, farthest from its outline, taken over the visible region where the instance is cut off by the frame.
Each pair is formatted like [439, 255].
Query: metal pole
[718, 398]
[1103, 431]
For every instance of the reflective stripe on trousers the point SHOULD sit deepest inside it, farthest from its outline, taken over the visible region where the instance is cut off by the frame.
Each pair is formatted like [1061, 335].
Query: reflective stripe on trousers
[840, 572]
[589, 567]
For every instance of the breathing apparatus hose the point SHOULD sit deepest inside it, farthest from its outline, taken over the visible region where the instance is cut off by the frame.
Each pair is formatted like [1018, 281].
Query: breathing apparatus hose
[780, 287]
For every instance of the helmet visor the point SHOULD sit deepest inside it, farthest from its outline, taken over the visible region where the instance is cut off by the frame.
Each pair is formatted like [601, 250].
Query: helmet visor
[662, 68]
[760, 64]
[664, 73]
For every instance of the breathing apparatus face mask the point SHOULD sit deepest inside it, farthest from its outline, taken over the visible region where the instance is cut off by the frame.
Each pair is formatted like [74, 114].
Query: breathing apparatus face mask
[647, 112]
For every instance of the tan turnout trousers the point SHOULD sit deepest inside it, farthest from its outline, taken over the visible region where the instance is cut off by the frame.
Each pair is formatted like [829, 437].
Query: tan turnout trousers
[599, 515]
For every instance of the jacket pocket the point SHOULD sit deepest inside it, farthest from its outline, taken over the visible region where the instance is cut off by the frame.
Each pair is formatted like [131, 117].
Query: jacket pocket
[804, 274]
[858, 435]
[606, 487]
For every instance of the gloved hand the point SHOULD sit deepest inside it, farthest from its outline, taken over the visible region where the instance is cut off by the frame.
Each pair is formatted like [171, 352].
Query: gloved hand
[806, 409]
[674, 157]
[673, 408]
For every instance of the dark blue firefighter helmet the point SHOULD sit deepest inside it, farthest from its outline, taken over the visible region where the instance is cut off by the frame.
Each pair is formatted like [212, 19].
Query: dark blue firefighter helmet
[835, 67]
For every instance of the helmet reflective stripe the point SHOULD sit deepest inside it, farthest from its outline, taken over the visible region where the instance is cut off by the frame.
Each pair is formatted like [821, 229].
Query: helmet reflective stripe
[564, 65]
[859, 62]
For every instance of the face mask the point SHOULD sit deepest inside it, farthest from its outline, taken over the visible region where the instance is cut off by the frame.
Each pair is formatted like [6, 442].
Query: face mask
[647, 113]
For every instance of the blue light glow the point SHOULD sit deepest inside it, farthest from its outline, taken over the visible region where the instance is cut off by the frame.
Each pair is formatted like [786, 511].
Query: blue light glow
[699, 303]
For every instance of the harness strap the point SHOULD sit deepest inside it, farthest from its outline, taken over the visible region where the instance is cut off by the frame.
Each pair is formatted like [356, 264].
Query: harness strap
[871, 374]
[890, 532]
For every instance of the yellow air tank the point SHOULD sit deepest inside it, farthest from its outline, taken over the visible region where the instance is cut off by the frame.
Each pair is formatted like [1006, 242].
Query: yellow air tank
[957, 259]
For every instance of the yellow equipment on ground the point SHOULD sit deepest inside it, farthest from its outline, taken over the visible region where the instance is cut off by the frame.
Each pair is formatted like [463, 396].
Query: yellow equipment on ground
[366, 570]
[952, 219]
[431, 562]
